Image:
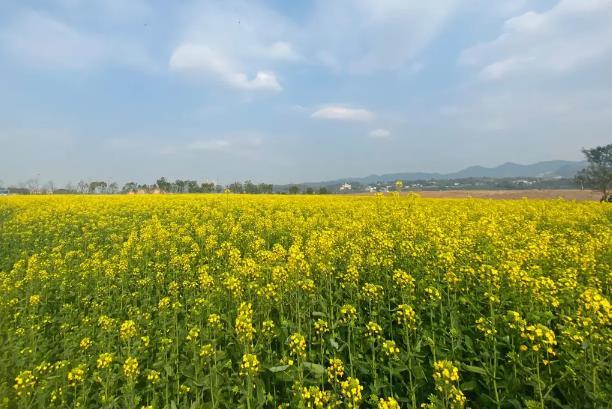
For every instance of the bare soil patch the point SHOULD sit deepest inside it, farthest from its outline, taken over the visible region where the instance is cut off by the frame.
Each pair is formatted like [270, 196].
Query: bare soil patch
[567, 194]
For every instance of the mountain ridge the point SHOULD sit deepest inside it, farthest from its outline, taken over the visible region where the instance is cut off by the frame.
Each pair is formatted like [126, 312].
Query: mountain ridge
[544, 169]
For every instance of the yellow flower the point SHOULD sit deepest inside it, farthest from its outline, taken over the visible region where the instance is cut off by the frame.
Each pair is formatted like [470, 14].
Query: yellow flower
[390, 349]
[193, 334]
[127, 330]
[405, 315]
[104, 360]
[249, 365]
[373, 330]
[268, 328]
[348, 314]
[85, 343]
[214, 321]
[372, 292]
[77, 375]
[389, 403]
[403, 280]
[297, 345]
[244, 323]
[207, 351]
[351, 391]
[445, 372]
[153, 376]
[34, 300]
[315, 398]
[130, 368]
[335, 370]
[321, 327]
[24, 383]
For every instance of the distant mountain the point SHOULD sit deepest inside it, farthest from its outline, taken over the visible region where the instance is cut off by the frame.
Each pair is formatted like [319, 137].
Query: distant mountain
[549, 169]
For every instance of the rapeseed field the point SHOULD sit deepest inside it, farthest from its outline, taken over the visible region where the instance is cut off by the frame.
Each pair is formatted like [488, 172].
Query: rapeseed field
[237, 301]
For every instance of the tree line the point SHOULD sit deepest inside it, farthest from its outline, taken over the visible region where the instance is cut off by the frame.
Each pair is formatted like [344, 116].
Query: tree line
[161, 185]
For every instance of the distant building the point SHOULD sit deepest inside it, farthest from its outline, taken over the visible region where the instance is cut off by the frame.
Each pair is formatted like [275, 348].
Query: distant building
[345, 187]
[371, 189]
[3, 192]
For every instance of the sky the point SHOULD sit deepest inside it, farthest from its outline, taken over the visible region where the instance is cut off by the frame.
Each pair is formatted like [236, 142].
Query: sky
[293, 91]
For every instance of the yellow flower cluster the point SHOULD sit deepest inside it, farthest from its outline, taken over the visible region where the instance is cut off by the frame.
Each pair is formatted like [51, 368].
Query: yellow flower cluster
[153, 376]
[403, 280]
[193, 334]
[372, 292]
[373, 330]
[214, 321]
[348, 314]
[390, 349]
[446, 375]
[104, 360]
[244, 323]
[314, 398]
[86, 343]
[405, 316]
[249, 365]
[388, 403]
[297, 345]
[321, 327]
[77, 375]
[335, 370]
[130, 368]
[351, 390]
[24, 383]
[127, 330]
[267, 328]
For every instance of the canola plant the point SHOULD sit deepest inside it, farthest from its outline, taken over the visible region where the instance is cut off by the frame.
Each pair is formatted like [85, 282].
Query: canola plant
[237, 301]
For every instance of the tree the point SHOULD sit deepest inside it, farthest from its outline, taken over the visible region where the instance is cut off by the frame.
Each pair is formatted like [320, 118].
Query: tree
[598, 175]
[82, 186]
[113, 188]
[323, 191]
[50, 187]
[265, 188]
[309, 191]
[33, 185]
[164, 185]
[98, 187]
[236, 187]
[180, 186]
[129, 187]
[250, 187]
[207, 187]
[192, 186]
[294, 190]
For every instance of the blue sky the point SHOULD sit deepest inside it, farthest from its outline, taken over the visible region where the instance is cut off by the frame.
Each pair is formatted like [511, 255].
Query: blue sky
[292, 91]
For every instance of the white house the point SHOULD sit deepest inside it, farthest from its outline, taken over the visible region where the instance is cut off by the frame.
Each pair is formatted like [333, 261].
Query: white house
[345, 187]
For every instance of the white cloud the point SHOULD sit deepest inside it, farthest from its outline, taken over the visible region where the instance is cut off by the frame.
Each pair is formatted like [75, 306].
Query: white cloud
[380, 134]
[566, 37]
[237, 42]
[343, 113]
[281, 50]
[365, 36]
[201, 60]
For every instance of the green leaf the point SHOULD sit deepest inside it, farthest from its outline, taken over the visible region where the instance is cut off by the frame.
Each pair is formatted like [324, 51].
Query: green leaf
[280, 368]
[314, 368]
[334, 344]
[469, 386]
[475, 369]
